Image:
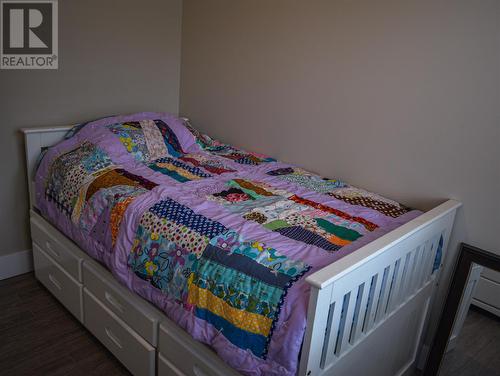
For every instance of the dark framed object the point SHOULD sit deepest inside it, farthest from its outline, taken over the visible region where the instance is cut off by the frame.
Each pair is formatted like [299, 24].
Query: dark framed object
[468, 256]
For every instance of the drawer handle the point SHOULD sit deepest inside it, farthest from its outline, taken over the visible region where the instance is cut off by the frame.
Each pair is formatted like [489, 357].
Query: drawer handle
[112, 337]
[55, 282]
[113, 301]
[51, 250]
[198, 371]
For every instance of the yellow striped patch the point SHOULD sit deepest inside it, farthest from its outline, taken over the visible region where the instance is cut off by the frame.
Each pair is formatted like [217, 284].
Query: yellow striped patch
[179, 170]
[251, 322]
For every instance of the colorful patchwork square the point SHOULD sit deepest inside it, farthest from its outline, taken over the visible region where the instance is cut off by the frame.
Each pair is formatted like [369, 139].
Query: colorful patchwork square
[181, 214]
[206, 162]
[147, 140]
[172, 231]
[132, 138]
[162, 262]
[340, 191]
[292, 216]
[234, 195]
[169, 241]
[306, 179]
[237, 286]
[70, 171]
[360, 197]
[178, 170]
[102, 202]
[170, 139]
[157, 147]
[92, 191]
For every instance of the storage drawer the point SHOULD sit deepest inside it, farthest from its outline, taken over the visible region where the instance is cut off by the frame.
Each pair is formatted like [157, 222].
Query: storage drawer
[491, 275]
[131, 308]
[180, 354]
[488, 292]
[165, 368]
[130, 348]
[55, 244]
[67, 290]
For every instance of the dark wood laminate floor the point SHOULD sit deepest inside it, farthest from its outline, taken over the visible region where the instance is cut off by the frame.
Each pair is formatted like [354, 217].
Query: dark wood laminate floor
[38, 336]
[478, 348]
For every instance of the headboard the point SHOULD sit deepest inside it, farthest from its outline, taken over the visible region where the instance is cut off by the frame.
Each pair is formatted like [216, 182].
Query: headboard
[35, 140]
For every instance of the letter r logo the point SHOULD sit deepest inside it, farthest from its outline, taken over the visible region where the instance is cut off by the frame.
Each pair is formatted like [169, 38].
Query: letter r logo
[27, 27]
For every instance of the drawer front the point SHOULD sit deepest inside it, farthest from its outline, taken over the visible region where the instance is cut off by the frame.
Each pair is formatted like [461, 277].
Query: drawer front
[488, 292]
[182, 355]
[66, 289]
[491, 274]
[132, 350]
[56, 248]
[129, 307]
[165, 368]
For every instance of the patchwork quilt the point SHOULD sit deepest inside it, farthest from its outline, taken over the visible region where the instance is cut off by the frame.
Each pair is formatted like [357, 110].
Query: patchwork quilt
[219, 238]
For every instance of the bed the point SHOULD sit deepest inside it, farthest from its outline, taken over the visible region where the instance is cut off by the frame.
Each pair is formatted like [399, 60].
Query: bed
[188, 256]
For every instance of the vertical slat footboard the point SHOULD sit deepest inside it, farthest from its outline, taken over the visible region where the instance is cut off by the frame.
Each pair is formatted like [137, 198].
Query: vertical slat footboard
[385, 286]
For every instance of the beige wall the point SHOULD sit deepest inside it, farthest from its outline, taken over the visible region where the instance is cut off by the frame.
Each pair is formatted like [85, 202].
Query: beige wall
[115, 57]
[400, 97]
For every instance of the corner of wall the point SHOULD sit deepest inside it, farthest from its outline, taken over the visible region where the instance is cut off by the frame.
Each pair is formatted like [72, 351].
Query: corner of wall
[16, 263]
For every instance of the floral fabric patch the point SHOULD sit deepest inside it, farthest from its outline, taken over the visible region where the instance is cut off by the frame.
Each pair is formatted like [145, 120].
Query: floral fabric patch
[132, 138]
[154, 139]
[147, 140]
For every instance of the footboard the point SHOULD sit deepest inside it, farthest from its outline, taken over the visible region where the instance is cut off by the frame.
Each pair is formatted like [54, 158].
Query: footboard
[367, 311]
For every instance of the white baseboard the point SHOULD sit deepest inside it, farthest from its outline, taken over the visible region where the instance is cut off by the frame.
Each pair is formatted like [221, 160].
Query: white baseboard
[16, 263]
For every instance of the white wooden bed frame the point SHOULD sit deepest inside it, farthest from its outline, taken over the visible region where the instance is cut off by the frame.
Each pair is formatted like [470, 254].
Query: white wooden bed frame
[367, 312]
